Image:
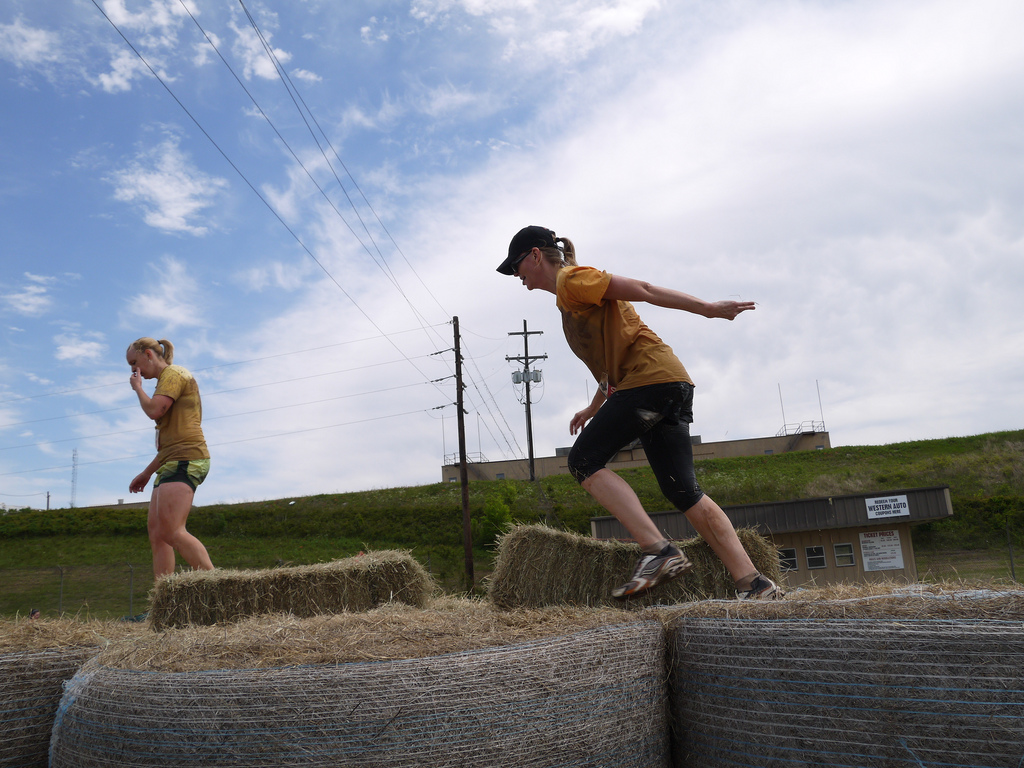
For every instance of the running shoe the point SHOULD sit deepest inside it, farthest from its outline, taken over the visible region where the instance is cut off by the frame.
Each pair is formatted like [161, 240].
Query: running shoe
[652, 570]
[761, 588]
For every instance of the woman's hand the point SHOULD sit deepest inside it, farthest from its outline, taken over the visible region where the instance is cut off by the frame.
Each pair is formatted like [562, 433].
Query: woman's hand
[138, 485]
[581, 418]
[728, 309]
[136, 380]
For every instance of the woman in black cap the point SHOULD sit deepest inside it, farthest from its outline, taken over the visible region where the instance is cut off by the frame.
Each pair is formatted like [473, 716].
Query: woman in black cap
[643, 392]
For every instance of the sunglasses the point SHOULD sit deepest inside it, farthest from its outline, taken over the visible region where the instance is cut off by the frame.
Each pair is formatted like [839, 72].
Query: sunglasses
[515, 264]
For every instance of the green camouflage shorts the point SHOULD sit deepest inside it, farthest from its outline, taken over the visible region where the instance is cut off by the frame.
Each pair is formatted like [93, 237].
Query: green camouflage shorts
[191, 473]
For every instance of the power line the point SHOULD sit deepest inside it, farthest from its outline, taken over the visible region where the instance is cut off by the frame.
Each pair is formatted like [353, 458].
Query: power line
[217, 445]
[120, 432]
[290, 86]
[120, 382]
[221, 391]
[498, 408]
[237, 170]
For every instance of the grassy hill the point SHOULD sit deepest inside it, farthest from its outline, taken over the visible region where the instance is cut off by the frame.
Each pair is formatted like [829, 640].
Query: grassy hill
[985, 474]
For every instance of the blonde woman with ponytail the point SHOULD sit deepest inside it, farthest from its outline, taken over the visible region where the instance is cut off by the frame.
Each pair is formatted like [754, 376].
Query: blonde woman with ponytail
[182, 460]
[643, 392]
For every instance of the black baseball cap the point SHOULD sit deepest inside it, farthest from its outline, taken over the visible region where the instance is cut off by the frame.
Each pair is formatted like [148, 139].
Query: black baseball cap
[525, 239]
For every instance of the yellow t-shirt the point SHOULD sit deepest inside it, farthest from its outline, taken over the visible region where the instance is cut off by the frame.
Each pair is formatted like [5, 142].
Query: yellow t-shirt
[609, 336]
[179, 435]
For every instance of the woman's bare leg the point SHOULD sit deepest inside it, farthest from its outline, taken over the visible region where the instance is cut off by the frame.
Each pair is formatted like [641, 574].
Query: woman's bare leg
[172, 503]
[163, 553]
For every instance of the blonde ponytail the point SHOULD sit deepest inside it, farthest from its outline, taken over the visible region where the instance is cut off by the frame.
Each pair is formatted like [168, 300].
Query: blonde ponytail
[564, 256]
[162, 349]
[168, 354]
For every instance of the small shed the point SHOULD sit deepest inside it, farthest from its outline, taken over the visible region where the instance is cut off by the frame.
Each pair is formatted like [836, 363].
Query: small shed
[850, 539]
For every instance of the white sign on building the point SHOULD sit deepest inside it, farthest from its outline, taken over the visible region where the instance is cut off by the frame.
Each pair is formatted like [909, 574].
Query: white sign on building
[887, 506]
[881, 551]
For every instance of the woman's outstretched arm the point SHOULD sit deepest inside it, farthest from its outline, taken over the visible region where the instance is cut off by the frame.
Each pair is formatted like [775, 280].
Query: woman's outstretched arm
[627, 289]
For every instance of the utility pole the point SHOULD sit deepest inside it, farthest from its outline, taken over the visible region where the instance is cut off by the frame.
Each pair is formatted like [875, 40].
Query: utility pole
[527, 375]
[74, 476]
[467, 532]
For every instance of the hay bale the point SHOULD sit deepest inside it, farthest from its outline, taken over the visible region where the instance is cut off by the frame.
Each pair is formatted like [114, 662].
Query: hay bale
[36, 658]
[841, 692]
[352, 584]
[538, 566]
[560, 700]
[394, 631]
[879, 600]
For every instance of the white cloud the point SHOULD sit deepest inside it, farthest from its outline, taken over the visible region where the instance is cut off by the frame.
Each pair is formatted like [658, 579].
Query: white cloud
[305, 75]
[171, 192]
[174, 301]
[256, 62]
[125, 69]
[25, 46]
[74, 348]
[447, 100]
[537, 34]
[287, 276]
[153, 32]
[204, 52]
[33, 299]
[370, 33]
[159, 20]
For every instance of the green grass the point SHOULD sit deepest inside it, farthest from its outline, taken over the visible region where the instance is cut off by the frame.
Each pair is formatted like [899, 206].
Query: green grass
[985, 474]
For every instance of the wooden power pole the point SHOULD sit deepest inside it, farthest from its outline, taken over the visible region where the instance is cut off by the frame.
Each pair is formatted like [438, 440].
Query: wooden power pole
[467, 531]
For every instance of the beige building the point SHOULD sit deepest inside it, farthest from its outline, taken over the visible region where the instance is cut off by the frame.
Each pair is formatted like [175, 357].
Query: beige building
[634, 456]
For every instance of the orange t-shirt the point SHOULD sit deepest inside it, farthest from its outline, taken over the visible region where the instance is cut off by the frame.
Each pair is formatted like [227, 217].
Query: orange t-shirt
[609, 336]
[179, 435]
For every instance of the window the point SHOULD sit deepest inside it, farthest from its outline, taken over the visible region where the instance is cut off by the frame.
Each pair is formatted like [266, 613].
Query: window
[815, 557]
[844, 555]
[453, 479]
[787, 559]
[769, 452]
[499, 476]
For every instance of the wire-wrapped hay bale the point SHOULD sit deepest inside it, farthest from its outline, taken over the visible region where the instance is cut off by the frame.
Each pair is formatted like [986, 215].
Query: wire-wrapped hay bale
[593, 698]
[36, 658]
[31, 685]
[537, 566]
[842, 692]
[877, 600]
[351, 584]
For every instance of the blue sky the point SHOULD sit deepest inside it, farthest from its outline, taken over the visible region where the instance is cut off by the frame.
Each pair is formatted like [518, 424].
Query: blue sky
[854, 167]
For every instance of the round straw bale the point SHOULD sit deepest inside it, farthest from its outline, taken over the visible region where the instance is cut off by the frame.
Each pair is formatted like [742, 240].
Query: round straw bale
[593, 698]
[392, 632]
[842, 692]
[36, 658]
[879, 600]
[538, 565]
[351, 584]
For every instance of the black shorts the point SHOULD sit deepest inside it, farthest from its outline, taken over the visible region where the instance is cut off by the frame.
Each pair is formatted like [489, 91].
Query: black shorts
[660, 416]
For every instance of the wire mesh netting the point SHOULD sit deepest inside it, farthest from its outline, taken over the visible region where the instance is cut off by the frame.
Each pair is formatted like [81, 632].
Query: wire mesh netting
[31, 683]
[593, 698]
[847, 692]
